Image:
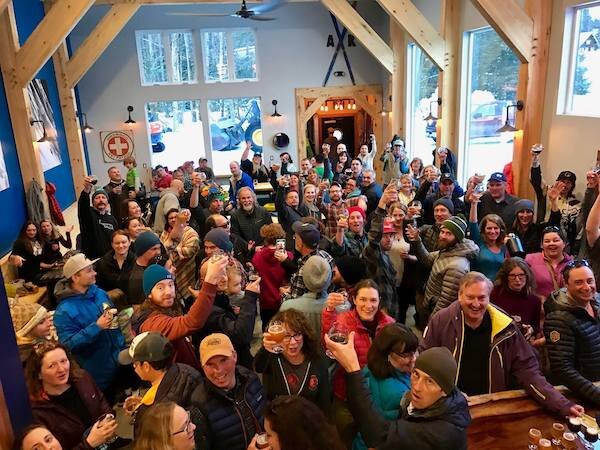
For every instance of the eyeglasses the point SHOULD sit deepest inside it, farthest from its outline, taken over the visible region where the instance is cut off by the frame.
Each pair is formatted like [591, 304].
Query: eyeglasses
[296, 336]
[225, 225]
[517, 276]
[186, 426]
[406, 355]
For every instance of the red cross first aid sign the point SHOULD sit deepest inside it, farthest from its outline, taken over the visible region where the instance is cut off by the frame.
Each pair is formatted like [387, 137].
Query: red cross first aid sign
[116, 145]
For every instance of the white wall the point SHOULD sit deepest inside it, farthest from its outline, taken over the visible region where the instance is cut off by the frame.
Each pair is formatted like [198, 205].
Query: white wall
[571, 141]
[291, 54]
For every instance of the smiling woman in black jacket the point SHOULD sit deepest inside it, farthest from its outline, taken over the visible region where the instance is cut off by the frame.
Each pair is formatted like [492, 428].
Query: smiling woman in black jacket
[114, 268]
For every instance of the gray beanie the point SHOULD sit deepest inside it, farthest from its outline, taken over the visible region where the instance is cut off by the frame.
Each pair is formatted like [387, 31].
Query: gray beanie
[445, 202]
[523, 204]
[439, 364]
[316, 274]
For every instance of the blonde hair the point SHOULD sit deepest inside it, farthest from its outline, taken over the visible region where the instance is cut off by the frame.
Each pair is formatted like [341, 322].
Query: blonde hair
[155, 429]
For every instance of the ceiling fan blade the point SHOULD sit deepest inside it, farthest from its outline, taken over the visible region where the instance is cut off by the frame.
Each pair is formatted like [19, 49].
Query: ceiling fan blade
[266, 7]
[261, 18]
[196, 14]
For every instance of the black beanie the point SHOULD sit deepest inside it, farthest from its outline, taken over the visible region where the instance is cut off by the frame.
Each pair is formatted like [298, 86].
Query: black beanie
[439, 364]
[446, 202]
[351, 268]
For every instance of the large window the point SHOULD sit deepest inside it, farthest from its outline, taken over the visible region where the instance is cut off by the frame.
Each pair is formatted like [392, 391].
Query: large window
[166, 57]
[580, 77]
[422, 99]
[176, 133]
[229, 55]
[232, 122]
[491, 84]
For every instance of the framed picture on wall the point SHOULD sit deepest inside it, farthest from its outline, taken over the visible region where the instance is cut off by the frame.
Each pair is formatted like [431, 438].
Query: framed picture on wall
[4, 184]
[42, 110]
[116, 145]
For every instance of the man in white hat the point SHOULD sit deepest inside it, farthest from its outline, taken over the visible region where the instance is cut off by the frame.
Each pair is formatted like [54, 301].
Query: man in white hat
[85, 321]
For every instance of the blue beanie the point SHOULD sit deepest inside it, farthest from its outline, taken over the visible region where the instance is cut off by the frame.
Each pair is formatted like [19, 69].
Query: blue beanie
[145, 242]
[523, 204]
[220, 238]
[152, 275]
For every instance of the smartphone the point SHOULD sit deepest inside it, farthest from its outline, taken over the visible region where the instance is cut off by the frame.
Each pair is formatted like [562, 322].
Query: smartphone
[280, 245]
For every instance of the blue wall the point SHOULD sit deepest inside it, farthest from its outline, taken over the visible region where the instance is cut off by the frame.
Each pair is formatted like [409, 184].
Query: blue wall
[28, 14]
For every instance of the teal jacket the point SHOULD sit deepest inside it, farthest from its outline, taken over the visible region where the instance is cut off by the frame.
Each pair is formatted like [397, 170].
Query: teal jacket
[386, 394]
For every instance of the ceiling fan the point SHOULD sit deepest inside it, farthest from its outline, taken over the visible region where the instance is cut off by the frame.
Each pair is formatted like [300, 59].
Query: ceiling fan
[243, 13]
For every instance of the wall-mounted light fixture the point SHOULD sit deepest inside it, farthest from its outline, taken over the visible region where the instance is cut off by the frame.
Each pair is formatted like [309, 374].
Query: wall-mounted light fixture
[44, 137]
[86, 127]
[130, 122]
[507, 127]
[275, 113]
[430, 117]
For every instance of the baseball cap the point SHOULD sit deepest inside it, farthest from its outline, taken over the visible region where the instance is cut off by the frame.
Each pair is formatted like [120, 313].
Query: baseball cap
[446, 177]
[388, 225]
[398, 141]
[498, 177]
[309, 234]
[216, 344]
[149, 346]
[566, 175]
[76, 263]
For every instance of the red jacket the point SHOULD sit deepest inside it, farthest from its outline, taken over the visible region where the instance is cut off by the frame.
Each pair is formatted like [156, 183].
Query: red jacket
[272, 276]
[362, 340]
[64, 424]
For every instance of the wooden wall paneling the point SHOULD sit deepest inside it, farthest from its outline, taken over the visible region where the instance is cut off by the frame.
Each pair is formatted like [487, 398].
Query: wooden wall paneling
[406, 14]
[362, 31]
[98, 40]
[18, 104]
[449, 79]
[532, 89]
[60, 19]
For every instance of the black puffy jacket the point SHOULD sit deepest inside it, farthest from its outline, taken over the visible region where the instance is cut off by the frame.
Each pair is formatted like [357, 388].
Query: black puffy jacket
[221, 420]
[442, 426]
[573, 341]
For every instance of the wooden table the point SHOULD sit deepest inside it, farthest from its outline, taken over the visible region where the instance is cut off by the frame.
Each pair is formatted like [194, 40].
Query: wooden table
[263, 188]
[502, 421]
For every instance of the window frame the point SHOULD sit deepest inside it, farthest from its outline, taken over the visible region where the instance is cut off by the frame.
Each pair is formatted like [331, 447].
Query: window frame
[230, 55]
[166, 42]
[570, 51]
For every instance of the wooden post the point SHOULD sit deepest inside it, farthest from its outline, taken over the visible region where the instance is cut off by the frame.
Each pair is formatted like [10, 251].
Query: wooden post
[18, 104]
[448, 81]
[68, 109]
[398, 39]
[532, 89]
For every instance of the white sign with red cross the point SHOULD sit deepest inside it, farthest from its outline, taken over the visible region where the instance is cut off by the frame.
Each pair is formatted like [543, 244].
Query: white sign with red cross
[116, 145]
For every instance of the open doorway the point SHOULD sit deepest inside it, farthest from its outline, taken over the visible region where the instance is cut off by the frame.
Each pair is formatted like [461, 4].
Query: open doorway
[343, 131]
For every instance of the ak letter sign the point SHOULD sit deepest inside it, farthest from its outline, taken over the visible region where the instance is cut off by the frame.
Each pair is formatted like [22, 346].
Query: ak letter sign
[116, 145]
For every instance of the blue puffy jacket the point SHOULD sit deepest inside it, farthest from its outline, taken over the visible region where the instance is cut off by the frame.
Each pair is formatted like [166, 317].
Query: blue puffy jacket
[95, 350]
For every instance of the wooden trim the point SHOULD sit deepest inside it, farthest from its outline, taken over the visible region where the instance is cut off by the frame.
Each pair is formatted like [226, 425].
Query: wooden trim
[449, 79]
[362, 31]
[18, 104]
[398, 88]
[406, 14]
[68, 107]
[511, 22]
[4, 4]
[532, 89]
[314, 107]
[177, 2]
[98, 40]
[48, 35]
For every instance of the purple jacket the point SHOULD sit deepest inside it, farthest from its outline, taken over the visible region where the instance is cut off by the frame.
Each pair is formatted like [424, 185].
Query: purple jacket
[541, 273]
[510, 355]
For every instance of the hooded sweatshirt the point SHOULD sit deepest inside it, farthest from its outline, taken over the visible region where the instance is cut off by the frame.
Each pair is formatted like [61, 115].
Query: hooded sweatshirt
[96, 350]
[448, 267]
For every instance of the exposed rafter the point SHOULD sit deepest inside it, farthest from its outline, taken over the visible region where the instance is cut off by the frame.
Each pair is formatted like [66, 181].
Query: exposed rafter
[362, 31]
[48, 35]
[172, 2]
[4, 4]
[418, 27]
[97, 41]
[511, 22]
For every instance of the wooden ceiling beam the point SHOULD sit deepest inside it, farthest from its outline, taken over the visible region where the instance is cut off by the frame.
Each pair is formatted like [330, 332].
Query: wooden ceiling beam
[418, 27]
[174, 2]
[48, 35]
[362, 31]
[4, 4]
[511, 22]
[97, 41]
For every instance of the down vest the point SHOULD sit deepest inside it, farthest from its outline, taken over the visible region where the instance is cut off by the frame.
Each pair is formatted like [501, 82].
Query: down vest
[573, 342]
[219, 418]
[448, 266]
[362, 341]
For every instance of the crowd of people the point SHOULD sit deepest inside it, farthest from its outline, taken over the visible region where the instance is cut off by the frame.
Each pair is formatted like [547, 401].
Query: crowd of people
[218, 325]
